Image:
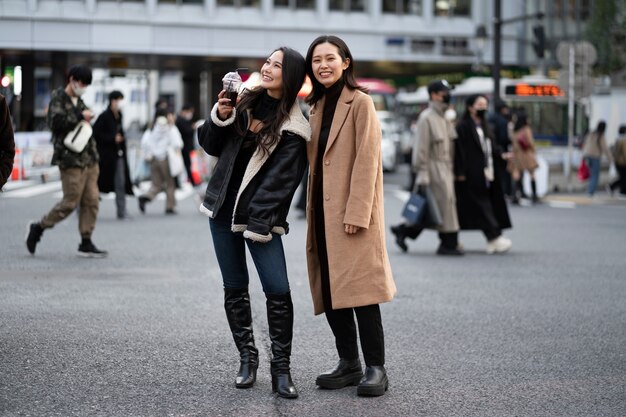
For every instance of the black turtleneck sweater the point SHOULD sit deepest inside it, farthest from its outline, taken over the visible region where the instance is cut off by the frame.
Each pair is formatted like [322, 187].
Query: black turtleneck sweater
[263, 110]
[331, 95]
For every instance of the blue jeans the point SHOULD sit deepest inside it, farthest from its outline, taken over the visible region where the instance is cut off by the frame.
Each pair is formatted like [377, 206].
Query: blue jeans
[269, 259]
[594, 173]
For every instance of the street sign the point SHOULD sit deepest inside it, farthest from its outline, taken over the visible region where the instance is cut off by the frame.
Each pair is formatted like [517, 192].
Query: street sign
[584, 57]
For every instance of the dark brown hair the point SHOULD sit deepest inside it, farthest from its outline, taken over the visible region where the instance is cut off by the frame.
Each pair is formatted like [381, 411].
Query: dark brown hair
[348, 74]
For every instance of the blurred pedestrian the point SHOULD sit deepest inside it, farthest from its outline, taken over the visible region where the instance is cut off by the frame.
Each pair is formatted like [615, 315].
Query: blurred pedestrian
[479, 197]
[594, 147]
[7, 143]
[261, 145]
[433, 160]
[500, 125]
[79, 170]
[349, 270]
[109, 133]
[155, 145]
[619, 157]
[523, 158]
[187, 130]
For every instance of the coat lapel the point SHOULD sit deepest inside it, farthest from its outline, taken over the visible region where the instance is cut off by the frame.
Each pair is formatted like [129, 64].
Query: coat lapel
[315, 119]
[341, 113]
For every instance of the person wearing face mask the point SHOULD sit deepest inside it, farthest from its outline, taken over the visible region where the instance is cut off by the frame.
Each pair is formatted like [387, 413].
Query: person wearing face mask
[187, 129]
[154, 147]
[479, 195]
[433, 162]
[79, 170]
[109, 134]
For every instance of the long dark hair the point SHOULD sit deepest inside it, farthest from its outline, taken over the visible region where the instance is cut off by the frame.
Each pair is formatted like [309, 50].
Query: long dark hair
[601, 127]
[469, 102]
[294, 73]
[520, 122]
[348, 74]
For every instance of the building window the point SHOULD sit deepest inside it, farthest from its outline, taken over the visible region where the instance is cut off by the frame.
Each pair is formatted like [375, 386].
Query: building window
[422, 46]
[410, 7]
[450, 8]
[239, 3]
[455, 46]
[567, 8]
[181, 1]
[295, 4]
[347, 5]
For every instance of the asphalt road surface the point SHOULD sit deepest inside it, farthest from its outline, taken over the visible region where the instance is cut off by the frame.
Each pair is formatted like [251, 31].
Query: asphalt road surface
[540, 331]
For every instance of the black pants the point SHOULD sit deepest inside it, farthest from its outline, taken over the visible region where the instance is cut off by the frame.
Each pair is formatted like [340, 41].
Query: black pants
[492, 233]
[370, 332]
[620, 182]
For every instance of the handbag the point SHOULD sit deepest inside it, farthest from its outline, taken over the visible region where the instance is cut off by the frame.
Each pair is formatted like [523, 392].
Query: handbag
[175, 161]
[523, 142]
[583, 171]
[421, 209]
[414, 209]
[77, 139]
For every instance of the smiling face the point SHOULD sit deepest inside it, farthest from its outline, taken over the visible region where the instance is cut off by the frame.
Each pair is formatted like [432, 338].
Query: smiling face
[272, 75]
[327, 64]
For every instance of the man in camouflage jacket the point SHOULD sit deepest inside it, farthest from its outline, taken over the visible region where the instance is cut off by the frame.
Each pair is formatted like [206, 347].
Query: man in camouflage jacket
[79, 170]
[7, 142]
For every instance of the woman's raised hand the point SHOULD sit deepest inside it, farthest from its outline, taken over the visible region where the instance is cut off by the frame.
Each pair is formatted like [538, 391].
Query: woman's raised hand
[224, 106]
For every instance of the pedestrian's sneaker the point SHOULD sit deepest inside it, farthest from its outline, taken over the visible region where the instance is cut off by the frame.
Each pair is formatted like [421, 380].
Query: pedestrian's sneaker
[88, 250]
[499, 245]
[33, 235]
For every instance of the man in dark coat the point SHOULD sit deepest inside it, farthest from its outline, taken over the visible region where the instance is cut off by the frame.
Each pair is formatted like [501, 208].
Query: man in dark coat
[109, 134]
[479, 197]
[7, 143]
[500, 125]
[187, 129]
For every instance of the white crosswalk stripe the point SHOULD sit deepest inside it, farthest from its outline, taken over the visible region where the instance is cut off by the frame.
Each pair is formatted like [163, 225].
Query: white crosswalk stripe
[29, 189]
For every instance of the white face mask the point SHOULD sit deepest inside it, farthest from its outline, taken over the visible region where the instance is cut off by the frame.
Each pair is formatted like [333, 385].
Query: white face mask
[450, 114]
[161, 120]
[78, 90]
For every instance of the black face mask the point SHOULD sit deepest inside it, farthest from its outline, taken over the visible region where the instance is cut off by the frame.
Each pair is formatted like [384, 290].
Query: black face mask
[481, 113]
[446, 99]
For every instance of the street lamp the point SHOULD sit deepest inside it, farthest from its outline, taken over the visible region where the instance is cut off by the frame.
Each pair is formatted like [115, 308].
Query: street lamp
[481, 41]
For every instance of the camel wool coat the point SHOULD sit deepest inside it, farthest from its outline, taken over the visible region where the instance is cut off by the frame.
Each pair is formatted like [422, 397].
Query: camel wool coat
[359, 269]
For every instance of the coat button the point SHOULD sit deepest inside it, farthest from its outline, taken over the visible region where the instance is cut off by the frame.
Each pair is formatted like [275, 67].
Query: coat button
[327, 162]
[326, 197]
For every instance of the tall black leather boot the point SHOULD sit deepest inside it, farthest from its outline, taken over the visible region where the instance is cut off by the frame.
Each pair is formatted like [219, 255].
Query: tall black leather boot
[280, 322]
[239, 315]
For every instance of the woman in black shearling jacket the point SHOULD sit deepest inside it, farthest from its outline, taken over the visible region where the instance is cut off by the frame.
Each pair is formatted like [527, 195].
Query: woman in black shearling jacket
[261, 150]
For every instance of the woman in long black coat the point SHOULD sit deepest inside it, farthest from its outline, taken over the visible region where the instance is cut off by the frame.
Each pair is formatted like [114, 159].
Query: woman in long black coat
[111, 142]
[479, 198]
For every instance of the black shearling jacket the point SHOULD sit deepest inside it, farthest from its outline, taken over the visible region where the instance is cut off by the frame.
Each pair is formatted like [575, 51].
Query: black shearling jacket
[270, 180]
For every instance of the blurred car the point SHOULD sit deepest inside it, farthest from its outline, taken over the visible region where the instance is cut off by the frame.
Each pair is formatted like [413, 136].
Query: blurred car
[390, 145]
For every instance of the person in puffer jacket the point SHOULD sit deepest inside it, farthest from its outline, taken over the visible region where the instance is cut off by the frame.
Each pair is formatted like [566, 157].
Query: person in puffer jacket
[261, 145]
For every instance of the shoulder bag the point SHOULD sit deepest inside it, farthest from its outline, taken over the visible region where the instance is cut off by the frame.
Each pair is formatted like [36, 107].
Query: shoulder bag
[77, 139]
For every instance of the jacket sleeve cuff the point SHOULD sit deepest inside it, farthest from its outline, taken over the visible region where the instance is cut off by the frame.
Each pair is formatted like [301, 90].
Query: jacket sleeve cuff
[257, 237]
[222, 123]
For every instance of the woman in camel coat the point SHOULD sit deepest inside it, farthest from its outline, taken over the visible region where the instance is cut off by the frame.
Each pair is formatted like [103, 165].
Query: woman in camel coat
[349, 269]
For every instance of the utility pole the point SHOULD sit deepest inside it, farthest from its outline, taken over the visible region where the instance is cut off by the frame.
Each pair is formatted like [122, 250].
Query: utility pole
[497, 42]
[497, 50]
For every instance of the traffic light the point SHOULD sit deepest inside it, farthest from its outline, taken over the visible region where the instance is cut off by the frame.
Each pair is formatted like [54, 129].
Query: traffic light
[539, 41]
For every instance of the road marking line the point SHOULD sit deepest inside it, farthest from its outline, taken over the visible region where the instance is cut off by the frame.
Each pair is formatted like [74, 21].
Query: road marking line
[34, 190]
